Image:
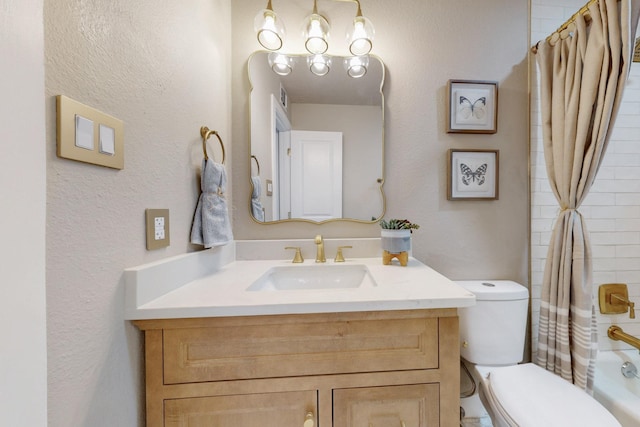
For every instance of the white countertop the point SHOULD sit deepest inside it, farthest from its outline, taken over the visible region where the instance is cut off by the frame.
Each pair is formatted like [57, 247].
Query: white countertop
[222, 291]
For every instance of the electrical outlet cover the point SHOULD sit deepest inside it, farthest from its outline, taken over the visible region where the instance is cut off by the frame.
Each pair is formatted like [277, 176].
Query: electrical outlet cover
[157, 221]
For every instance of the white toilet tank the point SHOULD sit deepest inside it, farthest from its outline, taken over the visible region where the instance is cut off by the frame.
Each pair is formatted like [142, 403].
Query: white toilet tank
[492, 332]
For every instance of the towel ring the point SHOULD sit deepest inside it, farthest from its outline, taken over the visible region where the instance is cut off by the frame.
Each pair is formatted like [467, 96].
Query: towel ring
[257, 163]
[205, 132]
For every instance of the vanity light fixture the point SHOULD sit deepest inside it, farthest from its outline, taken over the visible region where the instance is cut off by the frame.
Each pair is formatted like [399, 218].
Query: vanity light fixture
[280, 63]
[269, 28]
[316, 32]
[360, 34]
[270, 32]
[319, 64]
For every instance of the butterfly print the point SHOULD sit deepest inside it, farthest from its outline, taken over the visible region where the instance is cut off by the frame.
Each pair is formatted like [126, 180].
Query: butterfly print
[476, 109]
[469, 176]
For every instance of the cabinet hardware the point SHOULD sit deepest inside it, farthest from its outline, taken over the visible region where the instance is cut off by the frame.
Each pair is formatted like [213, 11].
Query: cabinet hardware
[309, 420]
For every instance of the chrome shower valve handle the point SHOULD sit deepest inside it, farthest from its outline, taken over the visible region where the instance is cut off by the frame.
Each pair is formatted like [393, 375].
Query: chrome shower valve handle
[629, 370]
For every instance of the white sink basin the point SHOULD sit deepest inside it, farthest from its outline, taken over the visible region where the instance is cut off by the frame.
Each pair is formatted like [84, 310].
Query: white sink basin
[317, 276]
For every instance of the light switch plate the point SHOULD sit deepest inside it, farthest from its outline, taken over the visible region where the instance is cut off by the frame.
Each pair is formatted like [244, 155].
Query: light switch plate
[88, 135]
[269, 187]
[157, 221]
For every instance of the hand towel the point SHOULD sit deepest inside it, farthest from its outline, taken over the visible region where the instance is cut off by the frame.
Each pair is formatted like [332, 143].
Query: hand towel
[256, 206]
[211, 226]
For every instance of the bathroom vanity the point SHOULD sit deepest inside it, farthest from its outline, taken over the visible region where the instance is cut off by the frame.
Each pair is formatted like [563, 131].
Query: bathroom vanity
[221, 351]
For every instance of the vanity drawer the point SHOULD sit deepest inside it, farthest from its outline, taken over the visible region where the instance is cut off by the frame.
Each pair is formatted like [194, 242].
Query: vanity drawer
[265, 410]
[299, 345]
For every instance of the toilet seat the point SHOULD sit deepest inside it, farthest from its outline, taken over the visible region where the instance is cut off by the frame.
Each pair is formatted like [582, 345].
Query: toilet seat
[530, 396]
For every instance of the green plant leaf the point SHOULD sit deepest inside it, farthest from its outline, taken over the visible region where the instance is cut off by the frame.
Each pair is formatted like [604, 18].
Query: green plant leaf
[398, 224]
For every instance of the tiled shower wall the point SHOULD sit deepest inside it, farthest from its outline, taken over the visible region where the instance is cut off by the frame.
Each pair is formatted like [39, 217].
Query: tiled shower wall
[612, 208]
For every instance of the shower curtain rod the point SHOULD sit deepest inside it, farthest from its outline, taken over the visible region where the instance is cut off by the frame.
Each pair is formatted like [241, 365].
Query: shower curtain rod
[584, 10]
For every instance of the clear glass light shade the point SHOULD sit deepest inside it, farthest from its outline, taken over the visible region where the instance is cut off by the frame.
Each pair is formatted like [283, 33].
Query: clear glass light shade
[360, 36]
[319, 64]
[280, 64]
[316, 34]
[269, 29]
[356, 66]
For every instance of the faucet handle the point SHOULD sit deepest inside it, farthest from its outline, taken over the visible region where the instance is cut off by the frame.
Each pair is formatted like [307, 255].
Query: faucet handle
[297, 258]
[626, 302]
[614, 299]
[339, 257]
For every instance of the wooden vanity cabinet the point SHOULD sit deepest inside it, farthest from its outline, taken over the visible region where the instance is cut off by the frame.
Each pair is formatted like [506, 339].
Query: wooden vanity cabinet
[362, 369]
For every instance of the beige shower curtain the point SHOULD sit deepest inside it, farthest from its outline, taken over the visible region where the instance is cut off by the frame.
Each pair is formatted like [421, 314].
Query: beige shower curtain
[582, 77]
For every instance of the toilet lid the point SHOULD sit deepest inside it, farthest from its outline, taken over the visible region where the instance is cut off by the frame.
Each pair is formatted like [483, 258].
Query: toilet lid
[495, 290]
[530, 396]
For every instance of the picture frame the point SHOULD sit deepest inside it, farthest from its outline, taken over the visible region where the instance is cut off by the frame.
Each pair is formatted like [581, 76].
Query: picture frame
[472, 106]
[472, 174]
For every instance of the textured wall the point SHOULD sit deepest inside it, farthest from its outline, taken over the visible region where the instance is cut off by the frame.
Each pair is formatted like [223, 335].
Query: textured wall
[423, 44]
[612, 208]
[161, 67]
[23, 363]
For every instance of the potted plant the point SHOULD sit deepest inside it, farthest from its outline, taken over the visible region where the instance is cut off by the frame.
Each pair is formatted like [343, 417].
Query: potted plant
[396, 238]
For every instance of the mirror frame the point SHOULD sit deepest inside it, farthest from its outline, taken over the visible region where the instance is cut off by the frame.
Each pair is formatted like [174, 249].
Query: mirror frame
[380, 180]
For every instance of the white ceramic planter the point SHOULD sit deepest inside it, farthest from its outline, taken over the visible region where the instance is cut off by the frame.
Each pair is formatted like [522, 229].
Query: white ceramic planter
[396, 241]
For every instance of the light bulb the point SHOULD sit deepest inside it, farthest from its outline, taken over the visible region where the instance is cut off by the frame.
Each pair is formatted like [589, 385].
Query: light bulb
[319, 64]
[269, 29]
[314, 28]
[316, 34]
[280, 63]
[356, 66]
[360, 36]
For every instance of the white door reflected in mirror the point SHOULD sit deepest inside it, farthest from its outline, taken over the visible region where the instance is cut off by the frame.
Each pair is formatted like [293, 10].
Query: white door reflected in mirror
[316, 175]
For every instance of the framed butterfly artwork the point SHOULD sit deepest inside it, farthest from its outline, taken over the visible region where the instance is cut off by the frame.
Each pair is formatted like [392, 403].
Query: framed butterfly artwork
[473, 174]
[472, 106]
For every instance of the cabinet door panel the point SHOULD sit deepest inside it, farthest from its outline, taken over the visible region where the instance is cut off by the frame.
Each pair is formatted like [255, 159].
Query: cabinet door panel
[393, 406]
[254, 410]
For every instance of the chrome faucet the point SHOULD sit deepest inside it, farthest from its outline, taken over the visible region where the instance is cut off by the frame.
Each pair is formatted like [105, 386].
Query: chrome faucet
[320, 249]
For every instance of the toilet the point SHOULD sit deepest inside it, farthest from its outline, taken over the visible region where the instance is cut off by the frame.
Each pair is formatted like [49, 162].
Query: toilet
[492, 335]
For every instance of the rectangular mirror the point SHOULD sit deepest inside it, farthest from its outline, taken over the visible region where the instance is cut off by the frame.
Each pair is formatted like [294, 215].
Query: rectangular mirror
[318, 140]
